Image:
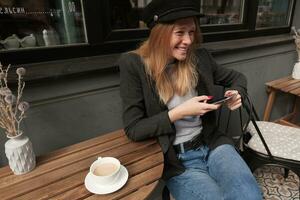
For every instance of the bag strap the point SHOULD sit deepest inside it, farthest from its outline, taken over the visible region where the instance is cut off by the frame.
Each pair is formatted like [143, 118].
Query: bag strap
[252, 116]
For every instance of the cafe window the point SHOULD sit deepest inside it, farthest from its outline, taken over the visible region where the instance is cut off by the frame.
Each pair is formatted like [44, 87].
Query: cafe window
[222, 12]
[39, 24]
[62, 29]
[273, 13]
[246, 18]
[126, 14]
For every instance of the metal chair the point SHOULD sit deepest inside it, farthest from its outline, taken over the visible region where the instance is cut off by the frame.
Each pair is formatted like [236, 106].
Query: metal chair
[268, 143]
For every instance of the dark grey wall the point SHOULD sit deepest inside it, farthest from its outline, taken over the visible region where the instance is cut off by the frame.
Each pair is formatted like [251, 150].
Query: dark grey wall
[68, 110]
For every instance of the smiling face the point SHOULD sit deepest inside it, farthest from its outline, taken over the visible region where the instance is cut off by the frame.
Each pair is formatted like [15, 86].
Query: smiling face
[182, 37]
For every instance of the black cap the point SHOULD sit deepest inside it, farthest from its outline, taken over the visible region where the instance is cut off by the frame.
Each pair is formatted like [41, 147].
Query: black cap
[164, 11]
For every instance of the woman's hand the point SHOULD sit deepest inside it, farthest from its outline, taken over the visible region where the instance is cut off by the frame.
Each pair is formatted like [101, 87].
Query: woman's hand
[193, 107]
[236, 101]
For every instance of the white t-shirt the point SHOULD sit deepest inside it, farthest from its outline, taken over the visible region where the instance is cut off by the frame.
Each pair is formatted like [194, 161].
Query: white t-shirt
[188, 127]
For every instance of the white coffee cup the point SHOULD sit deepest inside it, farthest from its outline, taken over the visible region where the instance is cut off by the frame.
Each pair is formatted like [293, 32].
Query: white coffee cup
[105, 170]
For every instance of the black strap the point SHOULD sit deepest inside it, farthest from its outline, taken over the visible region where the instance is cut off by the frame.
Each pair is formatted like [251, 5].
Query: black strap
[253, 116]
[165, 193]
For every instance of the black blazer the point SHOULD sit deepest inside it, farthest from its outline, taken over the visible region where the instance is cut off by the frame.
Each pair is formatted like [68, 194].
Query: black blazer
[145, 116]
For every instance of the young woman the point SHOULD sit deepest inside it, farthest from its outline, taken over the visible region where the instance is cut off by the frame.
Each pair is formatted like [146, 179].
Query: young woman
[165, 86]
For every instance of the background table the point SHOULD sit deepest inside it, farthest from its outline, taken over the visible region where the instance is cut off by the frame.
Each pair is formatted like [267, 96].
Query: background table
[61, 174]
[287, 85]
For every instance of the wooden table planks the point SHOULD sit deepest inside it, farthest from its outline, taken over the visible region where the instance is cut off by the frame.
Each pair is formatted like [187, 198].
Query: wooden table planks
[287, 85]
[60, 174]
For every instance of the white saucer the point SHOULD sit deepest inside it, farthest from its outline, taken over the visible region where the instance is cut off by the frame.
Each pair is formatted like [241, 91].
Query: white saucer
[97, 188]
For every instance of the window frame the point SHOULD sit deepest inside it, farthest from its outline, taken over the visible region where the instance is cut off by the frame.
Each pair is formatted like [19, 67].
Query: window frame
[103, 40]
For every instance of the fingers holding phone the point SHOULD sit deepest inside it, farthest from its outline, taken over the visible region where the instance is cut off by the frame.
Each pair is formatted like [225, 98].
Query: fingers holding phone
[219, 101]
[195, 106]
[235, 101]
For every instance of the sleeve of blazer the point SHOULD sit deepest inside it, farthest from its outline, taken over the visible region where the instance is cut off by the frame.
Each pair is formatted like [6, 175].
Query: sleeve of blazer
[228, 78]
[137, 125]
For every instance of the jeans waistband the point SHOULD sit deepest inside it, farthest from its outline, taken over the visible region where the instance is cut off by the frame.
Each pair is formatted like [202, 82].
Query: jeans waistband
[185, 146]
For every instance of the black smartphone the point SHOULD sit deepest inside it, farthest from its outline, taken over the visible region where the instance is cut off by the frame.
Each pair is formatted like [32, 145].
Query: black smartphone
[220, 100]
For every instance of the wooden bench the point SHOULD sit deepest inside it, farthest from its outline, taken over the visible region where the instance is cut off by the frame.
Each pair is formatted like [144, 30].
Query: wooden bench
[61, 174]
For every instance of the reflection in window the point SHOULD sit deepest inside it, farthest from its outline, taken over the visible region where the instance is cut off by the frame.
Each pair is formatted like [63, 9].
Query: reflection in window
[222, 11]
[273, 13]
[31, 23]
[127, 13]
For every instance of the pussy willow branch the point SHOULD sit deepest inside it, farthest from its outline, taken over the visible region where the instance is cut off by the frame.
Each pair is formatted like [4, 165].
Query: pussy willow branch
[12, 119]
[18, 94]
[21, 86]
[21, 117]
[10, 115]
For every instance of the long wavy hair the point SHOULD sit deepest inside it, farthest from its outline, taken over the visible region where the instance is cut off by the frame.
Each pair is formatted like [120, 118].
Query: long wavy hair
[155, 52]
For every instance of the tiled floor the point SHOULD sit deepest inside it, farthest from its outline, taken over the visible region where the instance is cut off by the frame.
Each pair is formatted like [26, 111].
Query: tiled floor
[274, 186]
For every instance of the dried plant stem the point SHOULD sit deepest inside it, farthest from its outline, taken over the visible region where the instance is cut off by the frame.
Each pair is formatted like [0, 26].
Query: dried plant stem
[5, 78]
[9, 121]
[4, 121]
[2, 125]
[6, 114]
[12, 120]
[1, 85]
[21, 86]
[12, 109]
[296, 33]
[21, 117]
[7, 125]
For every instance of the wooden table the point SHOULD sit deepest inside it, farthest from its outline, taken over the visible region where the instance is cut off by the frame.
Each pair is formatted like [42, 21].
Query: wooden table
[61, 174]
[287, 85]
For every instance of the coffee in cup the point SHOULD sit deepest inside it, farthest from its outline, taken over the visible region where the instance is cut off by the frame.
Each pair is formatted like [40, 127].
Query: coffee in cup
[105, 170]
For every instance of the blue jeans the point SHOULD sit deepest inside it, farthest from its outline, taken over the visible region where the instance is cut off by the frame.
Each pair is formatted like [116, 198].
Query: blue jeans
[213, 175]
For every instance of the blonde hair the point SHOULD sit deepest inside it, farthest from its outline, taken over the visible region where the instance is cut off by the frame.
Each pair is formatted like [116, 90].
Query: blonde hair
[155, 51]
